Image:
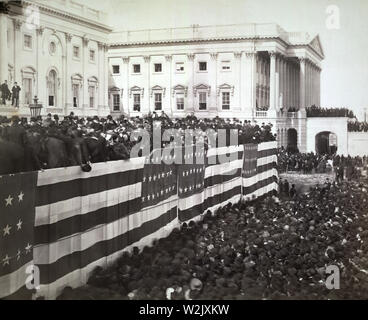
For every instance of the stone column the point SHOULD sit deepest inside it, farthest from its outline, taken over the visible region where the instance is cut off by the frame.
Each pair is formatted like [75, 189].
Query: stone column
[85, 58]
[167, 106]
[309, 72]
[68, 75]
[252, 80]
[190, 72]
[147, 89]
[237, 94]
[17, 48]
[277, 81]
[212, 75]
[106, 80]
[302, 84]
[272, 81]
[243, 85]
[319, 86]
[125, 88]
[36, 89]
[282, 81]
[3, 47]
[289, 87]
[293, 85]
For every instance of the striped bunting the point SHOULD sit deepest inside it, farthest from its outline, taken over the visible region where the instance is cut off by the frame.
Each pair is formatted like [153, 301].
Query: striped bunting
[222, 182]
[84, 220]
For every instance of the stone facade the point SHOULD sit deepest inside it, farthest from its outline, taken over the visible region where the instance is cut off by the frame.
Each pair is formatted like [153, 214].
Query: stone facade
[253, 71]
[56, 50]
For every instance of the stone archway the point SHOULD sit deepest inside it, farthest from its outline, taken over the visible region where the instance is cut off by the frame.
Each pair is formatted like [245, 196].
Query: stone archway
[326, 142]
[292, 140]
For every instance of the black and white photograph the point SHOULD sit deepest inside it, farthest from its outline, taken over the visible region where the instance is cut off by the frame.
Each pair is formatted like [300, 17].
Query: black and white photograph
[183, 150]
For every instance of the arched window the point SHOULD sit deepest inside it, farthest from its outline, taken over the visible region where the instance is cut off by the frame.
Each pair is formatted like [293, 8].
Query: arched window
[52, 88]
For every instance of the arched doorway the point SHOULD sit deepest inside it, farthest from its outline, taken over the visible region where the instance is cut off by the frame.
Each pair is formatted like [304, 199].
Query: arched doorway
[326, 142]
[292, 140]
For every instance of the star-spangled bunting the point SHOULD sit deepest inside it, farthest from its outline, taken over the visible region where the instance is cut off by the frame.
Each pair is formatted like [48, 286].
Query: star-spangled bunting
[159, 180]
[17, 214]
[250, 160]
[191, 176]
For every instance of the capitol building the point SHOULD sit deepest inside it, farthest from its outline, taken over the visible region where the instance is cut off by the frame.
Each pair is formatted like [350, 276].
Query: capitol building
[250, 71]
[72, 60]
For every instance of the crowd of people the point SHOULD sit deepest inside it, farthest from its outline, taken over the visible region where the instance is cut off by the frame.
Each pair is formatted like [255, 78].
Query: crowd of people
[264, 249]
[307, 163]
[358, 126]
[52, 142]
[315, 111]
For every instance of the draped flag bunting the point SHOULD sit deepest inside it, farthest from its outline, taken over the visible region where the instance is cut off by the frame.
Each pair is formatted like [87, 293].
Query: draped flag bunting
[17, 215]
[66, 222]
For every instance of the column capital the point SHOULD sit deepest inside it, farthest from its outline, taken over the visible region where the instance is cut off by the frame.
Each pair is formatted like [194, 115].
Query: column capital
[281, 56]
[40, 31]
[190, 56]
[273, 53]
[302, 60]
[147, 58]
[214, 55]
[85, 41]
[125, 59]
[17, 24]
[168, 57]
[68, 37]
[250, 54]
[238, 54]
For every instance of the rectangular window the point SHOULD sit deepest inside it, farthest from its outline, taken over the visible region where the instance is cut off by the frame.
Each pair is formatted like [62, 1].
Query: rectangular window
[225, 65]
[92, 55]
[158, 101]
[226, 101]
[158, 67]
[137, 102]
[27, 89]
[75, 95]
[116, 69]
[51, 101]
[92, 92]
[28, 41]
[180, 101]
[202, 66]
[76, 52]
[202, 101]
[116, 102]
[136, 68]
[179, 67]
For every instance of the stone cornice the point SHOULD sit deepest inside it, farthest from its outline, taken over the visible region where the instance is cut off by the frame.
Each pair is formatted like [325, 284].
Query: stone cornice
[180, 41]
[69, 16]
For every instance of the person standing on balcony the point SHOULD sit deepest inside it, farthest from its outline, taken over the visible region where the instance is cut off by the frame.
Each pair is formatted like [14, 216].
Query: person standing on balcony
[4, 89]
[15, 95]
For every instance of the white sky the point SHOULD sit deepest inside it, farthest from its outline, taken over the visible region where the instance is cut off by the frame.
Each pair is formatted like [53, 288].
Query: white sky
[344, 79]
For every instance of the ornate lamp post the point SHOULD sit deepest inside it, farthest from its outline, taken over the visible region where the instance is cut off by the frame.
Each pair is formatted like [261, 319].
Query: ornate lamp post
[35, 108]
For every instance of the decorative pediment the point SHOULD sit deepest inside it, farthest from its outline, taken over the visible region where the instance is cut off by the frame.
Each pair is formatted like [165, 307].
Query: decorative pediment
[202, 87]
[29, 73]
[316, 45]
[225, 87]
[93, 81]
[115, 89]
[77, 79]
[158, 89]
[136, 89]
[179, 89]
